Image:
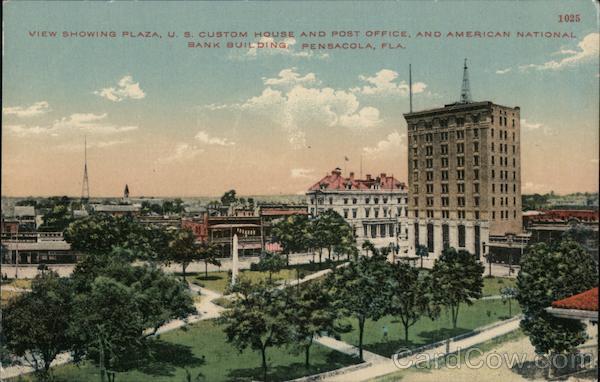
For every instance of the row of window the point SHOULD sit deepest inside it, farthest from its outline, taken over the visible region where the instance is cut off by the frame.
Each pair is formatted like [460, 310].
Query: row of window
[378, 230]
[376, 211]
[504, 201]
[504, 214]
[376, 200]
[503, 188]
[445, 214]
[502, 134]
[502, 121]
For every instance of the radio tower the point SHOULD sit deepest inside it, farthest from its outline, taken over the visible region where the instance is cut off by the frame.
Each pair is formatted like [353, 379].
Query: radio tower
[465, 91]
[85, 185]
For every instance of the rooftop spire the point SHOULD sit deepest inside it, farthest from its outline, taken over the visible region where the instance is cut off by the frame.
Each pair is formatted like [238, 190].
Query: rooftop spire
[465, 91]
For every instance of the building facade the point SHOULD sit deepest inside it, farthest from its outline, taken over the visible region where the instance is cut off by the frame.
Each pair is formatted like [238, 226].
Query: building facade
[464, 172]
[375, 207]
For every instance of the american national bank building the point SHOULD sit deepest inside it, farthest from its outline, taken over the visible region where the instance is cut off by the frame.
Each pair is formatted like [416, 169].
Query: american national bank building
[375, 207]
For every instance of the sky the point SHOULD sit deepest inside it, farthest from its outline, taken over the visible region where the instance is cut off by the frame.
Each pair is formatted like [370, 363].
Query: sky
[169, 120]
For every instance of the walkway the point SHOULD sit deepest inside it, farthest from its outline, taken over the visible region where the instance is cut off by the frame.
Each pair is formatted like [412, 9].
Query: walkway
[381, 366]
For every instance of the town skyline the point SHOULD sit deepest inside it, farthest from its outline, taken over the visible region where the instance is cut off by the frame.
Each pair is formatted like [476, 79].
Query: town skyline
[273, 122]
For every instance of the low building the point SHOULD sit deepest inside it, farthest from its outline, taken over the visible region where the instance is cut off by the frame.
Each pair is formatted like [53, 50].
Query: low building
[35, 248]
[375, 207]
[117, 209]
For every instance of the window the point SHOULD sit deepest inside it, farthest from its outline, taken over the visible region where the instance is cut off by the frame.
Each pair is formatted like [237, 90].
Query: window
[446, 214]
[492, 148]
[330, 200]
[430, 201]
[345, 201]
[493, 214]
[460, 161]
[354, 200]
[385, 212]
[461, 201]
[492, 121]
[492, 130]
[376, 200]
[475, 133]
[460, 134]
[367, 200]
[444, 149]
[368, 211]
[416, 214]
[461, 187]
[493, 174]
[428, 137]
[493, 201]
[429, 214]
[429, 175]
[444, 162]
[415, 163]
[444, 175]
[476, 160]
[513, 122]
[514, 175]
[429, 150]
[430, 237]
[429, 188]
[514, 188]
[354, 213]
[476, 188]
[477, 215]
[416, 188]
[460, 148]
[476, 174]
[429, 163]
[445, 201]
[376, 212]
[345, 213]
[461, 236]
[460, 174]
[514, 214]
[514, 201]
[385, 200]
[444, 188]
[444, 135]
[475, 146]
[460, 121]
[416, 200]
[461, 214]
[373, 230]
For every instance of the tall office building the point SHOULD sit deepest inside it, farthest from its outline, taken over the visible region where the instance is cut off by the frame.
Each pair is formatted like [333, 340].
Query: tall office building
[464, 175]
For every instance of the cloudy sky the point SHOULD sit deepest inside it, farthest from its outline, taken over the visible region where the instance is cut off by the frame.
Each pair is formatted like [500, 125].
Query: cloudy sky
[170, 120]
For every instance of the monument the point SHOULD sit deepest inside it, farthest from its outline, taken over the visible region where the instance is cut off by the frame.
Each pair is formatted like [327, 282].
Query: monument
[234, 263]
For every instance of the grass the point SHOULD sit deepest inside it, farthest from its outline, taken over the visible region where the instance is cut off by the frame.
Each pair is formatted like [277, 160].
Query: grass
[6, 296]
[482, 312]
[223, 301]
[18, 283]
[219, 281]
[492, 285]
[202, 350]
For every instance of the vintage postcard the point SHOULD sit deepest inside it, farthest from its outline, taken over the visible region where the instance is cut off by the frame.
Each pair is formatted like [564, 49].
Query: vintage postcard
[299, 191]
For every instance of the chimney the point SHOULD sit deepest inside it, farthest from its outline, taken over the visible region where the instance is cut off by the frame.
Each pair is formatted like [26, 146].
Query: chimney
[368, 176]
[337, 171]
[352, 176]
[382, 176]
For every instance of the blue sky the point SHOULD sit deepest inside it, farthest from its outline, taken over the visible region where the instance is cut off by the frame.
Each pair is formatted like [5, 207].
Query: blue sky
[170, 120]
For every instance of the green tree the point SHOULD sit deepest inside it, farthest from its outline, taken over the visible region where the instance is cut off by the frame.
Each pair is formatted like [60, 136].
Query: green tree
[229, 198]
[35, 324]
[184, 250]
[422, 252]
[457, 278]
[209, 254]
[410, 295]
[330, 229]
[291, 234]
[270, 262]
[357, 291]
[313, 313]
[549, 273]
[258, 319]
[109, 326]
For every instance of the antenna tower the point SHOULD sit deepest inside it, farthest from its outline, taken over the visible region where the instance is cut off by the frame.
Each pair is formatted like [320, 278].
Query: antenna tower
[85, 185]
[465, 91]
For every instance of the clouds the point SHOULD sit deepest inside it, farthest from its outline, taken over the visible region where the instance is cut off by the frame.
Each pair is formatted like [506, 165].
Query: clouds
[587, 51]
[36, 109]
[283, 47]
[393, 142]
[183, 152]
[384, 83]
[297, 102]
[203, 137]
[85, 122]
[503, 71]
[302, 173]
[125, 89]
[536, 126]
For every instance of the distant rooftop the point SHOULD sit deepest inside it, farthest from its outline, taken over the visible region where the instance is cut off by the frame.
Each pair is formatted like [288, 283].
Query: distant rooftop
[24, 211]
[335, 181]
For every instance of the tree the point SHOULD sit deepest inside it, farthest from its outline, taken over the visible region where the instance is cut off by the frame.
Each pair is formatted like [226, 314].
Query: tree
[270, 262]
[457, 278]
[410, 295]
[330, 229]
[508, 294]
[228, 198]
[57, 219]
[357, 291]
[422, 252]
[184, 250]
[313, 314]
[290, 233]
[258, 319]
[108, 326]
[209, 254]
[549, 273]
[35, 324]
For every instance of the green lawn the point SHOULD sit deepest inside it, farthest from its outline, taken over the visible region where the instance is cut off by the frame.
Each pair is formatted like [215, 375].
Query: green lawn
[492, 285]
[425, 330]
[201, 349]
[218, 281]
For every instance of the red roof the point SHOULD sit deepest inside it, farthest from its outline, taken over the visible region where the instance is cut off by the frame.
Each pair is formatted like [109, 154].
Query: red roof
[587, 300]
[278, 212]
[335, 181]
